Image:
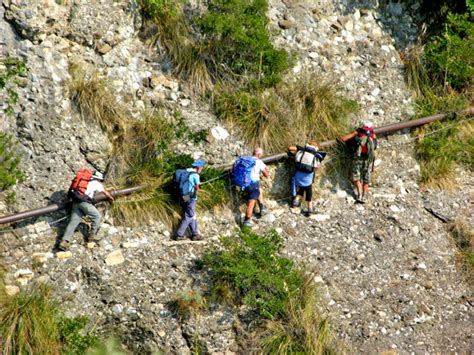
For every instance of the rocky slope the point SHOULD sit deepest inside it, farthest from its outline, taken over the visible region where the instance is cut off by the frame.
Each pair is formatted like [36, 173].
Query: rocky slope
[386, 270]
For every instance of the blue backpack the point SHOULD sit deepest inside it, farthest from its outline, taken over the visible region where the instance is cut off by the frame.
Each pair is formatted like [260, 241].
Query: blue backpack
[182, 184]
[242, 170]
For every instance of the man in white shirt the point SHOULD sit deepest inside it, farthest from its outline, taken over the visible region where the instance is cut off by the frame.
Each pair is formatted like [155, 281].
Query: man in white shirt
[253, 191]
[81, 208]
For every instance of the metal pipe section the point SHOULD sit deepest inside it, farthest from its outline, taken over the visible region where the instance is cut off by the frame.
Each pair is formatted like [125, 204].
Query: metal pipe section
[269, 159]
[59, 206]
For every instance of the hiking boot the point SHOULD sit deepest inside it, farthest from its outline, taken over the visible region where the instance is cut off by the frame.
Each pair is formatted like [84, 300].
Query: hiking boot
[248, 223]
[358, 197]
[94, 239]
[363, 199]
[63, 246]
[177, 237]
[263, 210]
[295, 203]
[196, 237]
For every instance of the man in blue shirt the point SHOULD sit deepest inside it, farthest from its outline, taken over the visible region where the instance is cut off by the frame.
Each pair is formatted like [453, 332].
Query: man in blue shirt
[189, 205]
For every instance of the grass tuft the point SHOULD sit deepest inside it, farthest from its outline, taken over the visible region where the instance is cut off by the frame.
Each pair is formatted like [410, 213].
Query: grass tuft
[95, 101]
[463, 236]
[308, 109]
[10, 172]
[28, 322]
[187, 304]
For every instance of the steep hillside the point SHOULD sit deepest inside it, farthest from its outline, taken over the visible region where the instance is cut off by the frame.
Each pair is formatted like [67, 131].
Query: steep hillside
[387, 273]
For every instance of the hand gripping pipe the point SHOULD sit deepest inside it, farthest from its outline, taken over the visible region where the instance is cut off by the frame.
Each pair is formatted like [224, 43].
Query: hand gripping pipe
[269, 159]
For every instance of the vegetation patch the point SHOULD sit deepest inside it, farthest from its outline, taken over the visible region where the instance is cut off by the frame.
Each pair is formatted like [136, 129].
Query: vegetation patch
[249, 270]
[463, 236]
[31, 323]
[187, 303]
[95, 101]
[307, 109]
[10, 158]
[232, 45]
[440, 72]
[149, 160]
[10, 71]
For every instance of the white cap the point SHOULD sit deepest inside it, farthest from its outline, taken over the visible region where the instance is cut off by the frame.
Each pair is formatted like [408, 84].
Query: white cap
[97, 175]
[367, 125]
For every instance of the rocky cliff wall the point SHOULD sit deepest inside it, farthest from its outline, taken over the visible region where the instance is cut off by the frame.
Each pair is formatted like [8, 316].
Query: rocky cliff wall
[386, 270]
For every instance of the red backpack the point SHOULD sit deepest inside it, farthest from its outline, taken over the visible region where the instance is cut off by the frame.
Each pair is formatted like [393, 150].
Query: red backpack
[77, 190]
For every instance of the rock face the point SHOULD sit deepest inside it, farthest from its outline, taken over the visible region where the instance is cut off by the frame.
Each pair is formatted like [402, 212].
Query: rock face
[386, 269]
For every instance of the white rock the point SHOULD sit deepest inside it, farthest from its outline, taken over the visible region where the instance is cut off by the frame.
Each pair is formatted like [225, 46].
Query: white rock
[219, 133]
[318, 279]
[114, 258]
[117, 309]
[185, 102]
[394, 208]
[269, 218]
[11, 290]
[421, 266]
[320, 217]
[415, 230]
[341, 194]
[130, 245]
[375, 92]
[63, 255]
[24, 274]
[113, 230]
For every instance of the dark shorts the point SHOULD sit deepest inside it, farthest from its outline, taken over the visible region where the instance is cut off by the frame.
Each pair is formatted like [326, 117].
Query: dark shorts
[302, 190]
[253, 191]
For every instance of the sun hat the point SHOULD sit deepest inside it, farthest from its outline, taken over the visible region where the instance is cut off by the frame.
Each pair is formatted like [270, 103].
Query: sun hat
[97, 175]
[368, 126]
[199, 163]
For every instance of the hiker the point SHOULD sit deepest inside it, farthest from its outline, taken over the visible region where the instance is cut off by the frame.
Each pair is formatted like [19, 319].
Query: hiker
[364, 144]
[246, 174]
[82, 191]
[187, 181]
[307, 160]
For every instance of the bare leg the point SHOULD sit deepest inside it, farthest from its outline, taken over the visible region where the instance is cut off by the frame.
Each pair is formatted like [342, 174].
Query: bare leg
[249, 211]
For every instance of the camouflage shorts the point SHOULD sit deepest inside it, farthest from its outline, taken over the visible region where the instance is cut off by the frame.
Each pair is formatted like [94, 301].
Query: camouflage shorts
[361, 170]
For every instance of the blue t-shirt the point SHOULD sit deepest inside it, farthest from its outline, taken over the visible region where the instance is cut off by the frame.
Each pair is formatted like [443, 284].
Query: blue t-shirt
[193, 181]
[303, 179]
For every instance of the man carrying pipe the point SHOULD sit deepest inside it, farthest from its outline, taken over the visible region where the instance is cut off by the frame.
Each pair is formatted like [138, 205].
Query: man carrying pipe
[363, 143]
[82, 191]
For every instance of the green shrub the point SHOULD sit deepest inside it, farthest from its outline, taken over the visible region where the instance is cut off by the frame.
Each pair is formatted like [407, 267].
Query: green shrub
[71, 335]
[257, 275]
[236, 34]
[450, 56]
[10, 69]
[10, 158]
[249, 270]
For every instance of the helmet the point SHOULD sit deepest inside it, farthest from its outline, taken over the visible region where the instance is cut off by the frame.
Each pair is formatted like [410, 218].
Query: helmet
[97, 175]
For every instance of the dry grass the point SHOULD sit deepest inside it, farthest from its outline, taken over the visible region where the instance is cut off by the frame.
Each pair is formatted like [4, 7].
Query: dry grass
[303, 330]
[27, 322]
[96, 102]
[188, 304]
[462, 233]
[308, 109]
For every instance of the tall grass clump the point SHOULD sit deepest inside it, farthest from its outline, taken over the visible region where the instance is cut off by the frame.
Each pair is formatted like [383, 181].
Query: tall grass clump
[172, 32]
[462, 233]
[307, 109]
[31, 322]
[440, 72]
[10, 158]
[94, 99]
[149, 159]
[249, 270]
[28, 323]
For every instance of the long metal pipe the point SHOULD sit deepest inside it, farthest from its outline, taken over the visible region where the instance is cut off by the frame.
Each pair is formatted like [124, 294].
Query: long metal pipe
[59, 206]
[269, 159]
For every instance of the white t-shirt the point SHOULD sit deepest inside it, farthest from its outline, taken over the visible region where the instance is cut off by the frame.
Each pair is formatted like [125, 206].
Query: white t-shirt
[94, 186]
[257, 170]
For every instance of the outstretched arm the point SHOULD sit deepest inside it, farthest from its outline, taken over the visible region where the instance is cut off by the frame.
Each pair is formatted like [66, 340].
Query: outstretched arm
[348, 136]
[108, 195]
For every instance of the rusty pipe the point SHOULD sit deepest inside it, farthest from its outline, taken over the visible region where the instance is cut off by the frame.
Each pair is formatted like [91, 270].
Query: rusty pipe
[59, 206]
[269, 159]
[380, 130]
